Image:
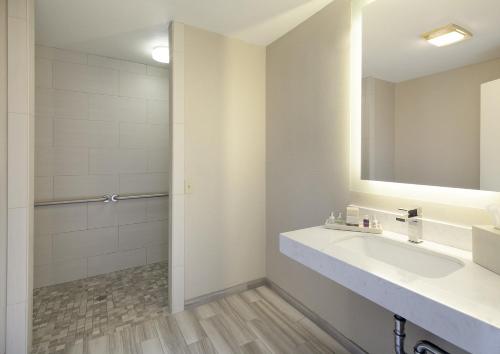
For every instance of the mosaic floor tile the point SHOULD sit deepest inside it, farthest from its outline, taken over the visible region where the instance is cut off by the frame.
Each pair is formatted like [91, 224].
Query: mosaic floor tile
[90, 308]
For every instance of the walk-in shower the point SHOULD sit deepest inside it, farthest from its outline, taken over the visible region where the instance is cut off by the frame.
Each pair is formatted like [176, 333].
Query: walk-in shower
[101, 194]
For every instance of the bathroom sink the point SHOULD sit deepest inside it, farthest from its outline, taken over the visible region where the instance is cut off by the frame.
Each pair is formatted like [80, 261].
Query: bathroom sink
[435, 286]
[406, 256]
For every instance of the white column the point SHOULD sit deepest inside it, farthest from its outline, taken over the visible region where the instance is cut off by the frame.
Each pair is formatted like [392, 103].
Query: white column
[177, 196]
[20, 142]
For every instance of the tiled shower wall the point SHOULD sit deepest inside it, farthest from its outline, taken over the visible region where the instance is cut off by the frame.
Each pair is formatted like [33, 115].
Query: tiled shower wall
[101, 128]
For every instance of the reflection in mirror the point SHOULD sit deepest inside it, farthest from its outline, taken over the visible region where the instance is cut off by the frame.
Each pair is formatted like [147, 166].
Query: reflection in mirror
[431, 93]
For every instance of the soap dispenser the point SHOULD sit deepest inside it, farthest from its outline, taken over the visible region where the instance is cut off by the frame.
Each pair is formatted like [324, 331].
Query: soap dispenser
[330, 220]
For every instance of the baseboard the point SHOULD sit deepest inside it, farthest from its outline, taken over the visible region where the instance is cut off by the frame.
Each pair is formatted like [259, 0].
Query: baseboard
[317, 320]
[216, 295]
[314, 317]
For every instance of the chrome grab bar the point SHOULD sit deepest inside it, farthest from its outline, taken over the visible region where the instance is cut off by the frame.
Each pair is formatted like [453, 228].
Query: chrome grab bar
[105, 199]
[116, 197]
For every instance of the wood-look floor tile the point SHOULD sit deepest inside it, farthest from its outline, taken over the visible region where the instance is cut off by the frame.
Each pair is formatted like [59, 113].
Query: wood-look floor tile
[251, 295]
[316, 334]
[140, 335]
[215, 306]
[255, 347]
[152, 346]
[310, 348]
[203, 346]
[271, 338]
[277, 320]
[170, 335]
[241, 307]
[189, 326]
[278, 302]
[99, 345]
[129, 344]
[116, 343]
[75, 348]
[203, 312]
[149, 330]
[234, 323]
[220, 335]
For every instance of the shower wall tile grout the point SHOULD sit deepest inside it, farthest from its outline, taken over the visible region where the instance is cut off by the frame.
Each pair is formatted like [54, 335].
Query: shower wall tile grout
[102, 127]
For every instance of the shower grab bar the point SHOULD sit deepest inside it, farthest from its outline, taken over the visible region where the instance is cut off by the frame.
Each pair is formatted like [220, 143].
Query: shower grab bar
[116, 197]
[105, 199]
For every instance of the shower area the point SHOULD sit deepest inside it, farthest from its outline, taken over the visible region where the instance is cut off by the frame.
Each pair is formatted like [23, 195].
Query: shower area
[101, 193]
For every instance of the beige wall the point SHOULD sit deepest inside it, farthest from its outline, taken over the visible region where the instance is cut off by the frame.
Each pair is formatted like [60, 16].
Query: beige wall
[378, 129]
[433, 127]
[490, 136]
[308, 167]
[3, 171]
[224, 162]
[437, 126]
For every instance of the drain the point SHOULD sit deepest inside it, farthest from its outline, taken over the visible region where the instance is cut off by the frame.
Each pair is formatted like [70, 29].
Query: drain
[101, 298]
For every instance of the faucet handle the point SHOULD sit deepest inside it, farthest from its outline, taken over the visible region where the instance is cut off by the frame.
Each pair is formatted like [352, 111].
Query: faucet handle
[412, 213]
[409, 214]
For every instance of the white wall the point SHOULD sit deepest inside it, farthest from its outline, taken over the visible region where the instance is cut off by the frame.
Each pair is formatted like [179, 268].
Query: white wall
[224, 162]
[20, 134]
[177, 193]
[308, 168]
[101, 128]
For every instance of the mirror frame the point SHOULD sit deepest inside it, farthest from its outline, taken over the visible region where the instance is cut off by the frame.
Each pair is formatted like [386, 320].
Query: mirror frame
[442, 195]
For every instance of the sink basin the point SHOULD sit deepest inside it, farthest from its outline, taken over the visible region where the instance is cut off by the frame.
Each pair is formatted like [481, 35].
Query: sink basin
[406, 256]
[434, 286]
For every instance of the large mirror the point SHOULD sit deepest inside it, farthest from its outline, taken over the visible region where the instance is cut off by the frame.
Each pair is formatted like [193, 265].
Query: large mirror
[431, 93]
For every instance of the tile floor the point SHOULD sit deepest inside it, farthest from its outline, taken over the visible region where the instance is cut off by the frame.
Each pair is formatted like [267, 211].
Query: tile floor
[89, 308]
[125, 313]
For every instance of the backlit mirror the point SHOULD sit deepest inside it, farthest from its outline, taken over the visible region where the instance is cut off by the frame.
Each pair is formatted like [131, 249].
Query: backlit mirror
[431, 93]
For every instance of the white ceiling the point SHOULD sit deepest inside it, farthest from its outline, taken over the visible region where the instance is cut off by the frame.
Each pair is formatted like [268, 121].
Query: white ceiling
[394, 51]
[129, 29]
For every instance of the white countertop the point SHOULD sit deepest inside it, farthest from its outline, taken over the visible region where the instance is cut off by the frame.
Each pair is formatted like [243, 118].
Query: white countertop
[462, 307]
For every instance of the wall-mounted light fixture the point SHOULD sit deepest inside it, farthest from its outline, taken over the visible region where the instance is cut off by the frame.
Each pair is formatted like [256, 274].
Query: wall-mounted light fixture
[161, 54]
[447, 35]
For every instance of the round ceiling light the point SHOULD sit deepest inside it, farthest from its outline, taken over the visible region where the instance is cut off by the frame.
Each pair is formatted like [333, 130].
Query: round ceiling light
[161, 54]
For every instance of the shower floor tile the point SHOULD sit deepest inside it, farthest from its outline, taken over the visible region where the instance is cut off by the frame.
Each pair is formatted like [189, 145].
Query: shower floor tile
[89, 308]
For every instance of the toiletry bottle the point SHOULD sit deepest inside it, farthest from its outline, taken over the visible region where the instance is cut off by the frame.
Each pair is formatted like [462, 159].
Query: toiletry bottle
[352, 216]
[340, 220]
[366, 221]
[330, 220]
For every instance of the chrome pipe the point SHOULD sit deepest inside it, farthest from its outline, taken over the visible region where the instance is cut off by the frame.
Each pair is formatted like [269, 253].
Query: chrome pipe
[399, 334]
[426, 347]
[105, 199]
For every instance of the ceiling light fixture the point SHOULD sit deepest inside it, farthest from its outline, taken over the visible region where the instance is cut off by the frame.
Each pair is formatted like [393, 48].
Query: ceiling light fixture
[161, 54]
[447, 35]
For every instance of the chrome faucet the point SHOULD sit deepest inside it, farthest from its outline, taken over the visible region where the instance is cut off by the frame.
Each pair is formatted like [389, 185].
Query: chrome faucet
[413, 218]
